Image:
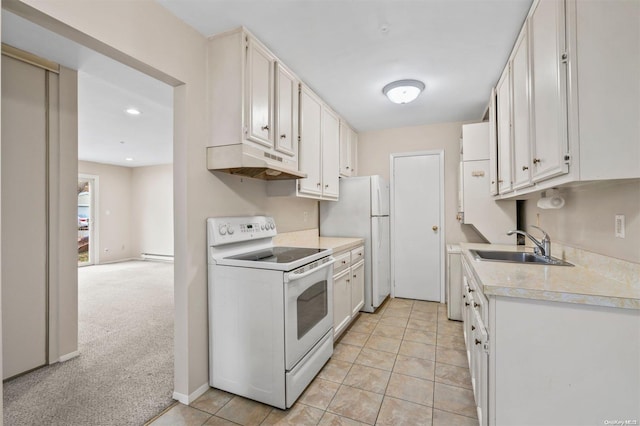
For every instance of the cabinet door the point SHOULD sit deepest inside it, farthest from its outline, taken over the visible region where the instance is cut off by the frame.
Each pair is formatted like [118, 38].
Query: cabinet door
[480, 367]
[493, 145]
[548, 90]
[259, 94]
[504, 131]
[309, 153]
[520, 123]
[330, 153]
[341, 301]
[286, 140]
[345, 149]
[357, 288]
[353, 147]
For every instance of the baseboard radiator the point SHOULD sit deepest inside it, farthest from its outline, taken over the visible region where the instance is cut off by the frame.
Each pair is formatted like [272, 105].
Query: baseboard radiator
[157, 257]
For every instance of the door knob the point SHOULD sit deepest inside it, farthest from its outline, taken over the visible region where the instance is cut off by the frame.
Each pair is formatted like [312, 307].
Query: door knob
[434, 227]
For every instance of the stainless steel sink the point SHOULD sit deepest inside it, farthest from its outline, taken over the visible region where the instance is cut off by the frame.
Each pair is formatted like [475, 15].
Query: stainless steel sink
[516, 257]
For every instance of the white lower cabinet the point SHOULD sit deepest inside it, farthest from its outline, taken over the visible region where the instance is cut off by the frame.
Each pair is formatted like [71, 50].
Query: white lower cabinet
[357, 288]
[348, 288]
[542, 362]
[341, 301]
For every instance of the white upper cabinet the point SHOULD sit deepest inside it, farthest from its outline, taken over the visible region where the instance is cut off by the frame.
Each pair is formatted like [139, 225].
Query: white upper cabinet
[548, 90]
[493, 145]
[520, 106]
[575, 95]
[503, 91]
[330, 153]
[348, 149]
[310, 143]
[604, 65]
[252, 103]
[260, 84]
[286, 131]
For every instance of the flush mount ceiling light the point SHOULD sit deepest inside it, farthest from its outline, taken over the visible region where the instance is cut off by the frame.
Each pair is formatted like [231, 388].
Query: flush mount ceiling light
[403, 91]
[129, 159]
[133, 111]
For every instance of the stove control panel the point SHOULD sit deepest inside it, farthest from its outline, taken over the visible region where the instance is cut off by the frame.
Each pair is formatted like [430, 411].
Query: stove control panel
[227, 230]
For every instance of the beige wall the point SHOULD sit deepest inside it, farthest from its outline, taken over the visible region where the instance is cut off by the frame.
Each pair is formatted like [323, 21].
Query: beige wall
[152, 210]
[112, 211]
[374, 149]
[156, 42]
[587, 219]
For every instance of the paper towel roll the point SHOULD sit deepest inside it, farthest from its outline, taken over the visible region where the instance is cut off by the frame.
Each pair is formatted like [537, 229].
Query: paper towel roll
[553, 202]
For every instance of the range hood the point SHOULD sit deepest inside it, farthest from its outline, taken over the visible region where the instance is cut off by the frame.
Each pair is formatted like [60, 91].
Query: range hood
[244, 160]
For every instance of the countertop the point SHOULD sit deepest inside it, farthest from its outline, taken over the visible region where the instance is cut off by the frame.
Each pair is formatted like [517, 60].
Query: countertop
[310, 238]
[568, 284]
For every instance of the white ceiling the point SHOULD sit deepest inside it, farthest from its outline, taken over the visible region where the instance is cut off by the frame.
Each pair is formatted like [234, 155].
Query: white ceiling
[337, 47]
[456, 47]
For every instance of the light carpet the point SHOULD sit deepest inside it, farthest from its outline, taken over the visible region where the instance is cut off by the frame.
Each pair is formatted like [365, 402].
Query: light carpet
[124, 374]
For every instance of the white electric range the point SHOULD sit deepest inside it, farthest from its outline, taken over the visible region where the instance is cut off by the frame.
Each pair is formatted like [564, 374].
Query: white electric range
[270, 311]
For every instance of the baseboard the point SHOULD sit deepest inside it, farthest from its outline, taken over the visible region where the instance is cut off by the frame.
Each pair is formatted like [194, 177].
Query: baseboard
[67, 357]
[188, 399]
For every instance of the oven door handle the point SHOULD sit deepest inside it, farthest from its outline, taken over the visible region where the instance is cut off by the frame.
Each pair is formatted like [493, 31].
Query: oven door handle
[293, 277]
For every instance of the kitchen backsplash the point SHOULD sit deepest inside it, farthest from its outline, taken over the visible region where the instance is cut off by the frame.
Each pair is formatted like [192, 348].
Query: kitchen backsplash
[587, 221]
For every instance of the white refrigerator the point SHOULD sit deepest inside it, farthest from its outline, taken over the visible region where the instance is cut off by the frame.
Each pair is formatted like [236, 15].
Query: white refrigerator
[363, 212]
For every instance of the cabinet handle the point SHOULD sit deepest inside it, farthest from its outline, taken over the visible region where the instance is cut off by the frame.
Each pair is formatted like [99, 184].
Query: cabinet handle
[434, 227]
[466, 303]
[464, 296]
[478, 342]
[492, 182]
[283, 136]
[500, 181]
[355, 276]
[318, 184]
[326, 186]
[536, 160]
[525, 168]
[347, 167]
[265, 127]
[473, 327]
[475, 305]
[471, 290]
[348, 280]
[344, 261]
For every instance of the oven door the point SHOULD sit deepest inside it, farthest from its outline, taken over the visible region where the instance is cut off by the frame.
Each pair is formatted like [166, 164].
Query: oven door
[308, 308]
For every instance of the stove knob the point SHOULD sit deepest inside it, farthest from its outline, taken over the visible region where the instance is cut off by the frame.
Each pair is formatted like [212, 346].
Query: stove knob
[230, 229]
[222, 230]
[272, 225]
[262, 226]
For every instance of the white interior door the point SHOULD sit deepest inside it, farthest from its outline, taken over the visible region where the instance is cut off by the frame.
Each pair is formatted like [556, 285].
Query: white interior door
[417, 225]
[24, 226]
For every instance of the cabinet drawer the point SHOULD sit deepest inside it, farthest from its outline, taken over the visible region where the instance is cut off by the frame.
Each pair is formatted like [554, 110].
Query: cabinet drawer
[343, 261]
[357, 254]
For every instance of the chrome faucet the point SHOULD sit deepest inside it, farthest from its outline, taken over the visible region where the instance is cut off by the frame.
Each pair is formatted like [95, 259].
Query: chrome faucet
[543, 247]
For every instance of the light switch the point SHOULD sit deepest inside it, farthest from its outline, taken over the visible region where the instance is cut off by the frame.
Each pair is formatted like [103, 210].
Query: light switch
[619, 226]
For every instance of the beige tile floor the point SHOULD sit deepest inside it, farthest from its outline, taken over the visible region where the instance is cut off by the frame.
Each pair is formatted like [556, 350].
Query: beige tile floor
[403, 365]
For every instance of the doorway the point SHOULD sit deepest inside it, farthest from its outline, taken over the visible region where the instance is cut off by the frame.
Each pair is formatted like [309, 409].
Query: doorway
[417, 225]
[87, 194]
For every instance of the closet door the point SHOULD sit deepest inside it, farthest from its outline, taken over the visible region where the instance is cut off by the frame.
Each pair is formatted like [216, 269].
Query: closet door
[24, 217]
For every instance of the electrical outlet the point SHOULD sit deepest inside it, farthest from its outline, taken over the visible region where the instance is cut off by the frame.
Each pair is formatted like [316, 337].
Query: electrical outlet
[619, 226]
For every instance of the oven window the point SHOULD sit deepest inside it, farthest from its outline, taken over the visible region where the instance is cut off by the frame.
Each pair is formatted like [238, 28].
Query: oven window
[312, 307]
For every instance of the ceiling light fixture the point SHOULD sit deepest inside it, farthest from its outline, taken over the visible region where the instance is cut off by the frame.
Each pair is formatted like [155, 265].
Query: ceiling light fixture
[403, 91]
[128, 159]
[133, 111]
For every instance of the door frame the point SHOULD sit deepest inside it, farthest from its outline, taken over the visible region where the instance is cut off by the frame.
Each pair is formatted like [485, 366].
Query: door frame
[442, 224]
[94, 185]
